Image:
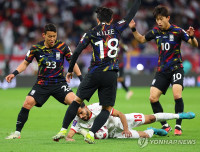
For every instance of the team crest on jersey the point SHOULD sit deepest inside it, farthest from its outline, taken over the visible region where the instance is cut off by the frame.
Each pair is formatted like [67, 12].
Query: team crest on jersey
[32, 92]
[74, 123]
[57, 55]
[171, 37]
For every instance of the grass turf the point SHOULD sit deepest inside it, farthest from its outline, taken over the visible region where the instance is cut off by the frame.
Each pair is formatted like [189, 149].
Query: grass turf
[45, 122]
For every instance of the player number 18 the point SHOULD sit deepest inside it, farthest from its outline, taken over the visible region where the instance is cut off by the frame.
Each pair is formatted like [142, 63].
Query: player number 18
[112, 48]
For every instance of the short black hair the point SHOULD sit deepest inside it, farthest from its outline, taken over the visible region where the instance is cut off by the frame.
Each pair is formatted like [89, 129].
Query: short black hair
[104, 14]
[82, 105]
[161, 10]
[50, 27]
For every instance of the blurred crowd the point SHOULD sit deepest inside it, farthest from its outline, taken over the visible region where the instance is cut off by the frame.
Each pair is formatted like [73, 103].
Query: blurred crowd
[22, 22]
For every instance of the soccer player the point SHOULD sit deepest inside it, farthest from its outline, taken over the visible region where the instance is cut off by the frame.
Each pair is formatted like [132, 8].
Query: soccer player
[50, 55]
[168, 38]
[102, 73]
[123, 50]
[117, 122]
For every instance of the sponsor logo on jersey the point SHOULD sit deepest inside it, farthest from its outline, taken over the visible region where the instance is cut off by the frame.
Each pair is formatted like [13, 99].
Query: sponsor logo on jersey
[171, 37]
[57, 55]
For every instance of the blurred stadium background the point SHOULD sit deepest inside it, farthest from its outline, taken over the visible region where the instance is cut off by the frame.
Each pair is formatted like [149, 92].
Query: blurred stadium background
[22, 22]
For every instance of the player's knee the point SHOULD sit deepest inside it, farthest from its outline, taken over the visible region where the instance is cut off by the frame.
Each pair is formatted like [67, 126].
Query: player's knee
[29, 102]
[177, 96]
[153, 98]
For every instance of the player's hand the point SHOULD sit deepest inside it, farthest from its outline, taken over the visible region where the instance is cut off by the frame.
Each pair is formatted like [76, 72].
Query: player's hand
[190, 31]
[69, 139]
[127, 133]
[10, 77]
[132, 24]
[69, 76]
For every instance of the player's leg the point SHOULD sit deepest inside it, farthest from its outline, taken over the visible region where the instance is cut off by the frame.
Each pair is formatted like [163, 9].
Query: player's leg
[107, 95]
[63, 93]
[36, 97]
[22, 117]
[177, 87]
[159, 86]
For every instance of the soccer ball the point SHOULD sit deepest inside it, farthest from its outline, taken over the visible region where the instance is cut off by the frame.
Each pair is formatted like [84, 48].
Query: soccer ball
[101, 133]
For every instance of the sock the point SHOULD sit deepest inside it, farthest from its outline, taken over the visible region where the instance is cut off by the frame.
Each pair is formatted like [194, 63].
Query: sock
[70, 114]
[179, 106]
[124, 86]
[165, 116]
[22, 118]
[178, 126]
[150, 132]
[63, 129]
[100, 120]
[157, 108]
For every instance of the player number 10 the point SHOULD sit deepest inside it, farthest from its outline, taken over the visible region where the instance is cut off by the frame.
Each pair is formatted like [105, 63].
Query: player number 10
[115, 47]
[165, 46]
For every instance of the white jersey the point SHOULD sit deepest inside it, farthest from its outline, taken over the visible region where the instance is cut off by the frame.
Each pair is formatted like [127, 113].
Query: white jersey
[113, 124]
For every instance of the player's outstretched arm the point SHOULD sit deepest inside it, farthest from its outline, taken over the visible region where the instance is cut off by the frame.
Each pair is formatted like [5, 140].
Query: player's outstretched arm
[19, 69]
[122, 117]
[192, 41]
[133, 11]
[140, 38]
[69, 136]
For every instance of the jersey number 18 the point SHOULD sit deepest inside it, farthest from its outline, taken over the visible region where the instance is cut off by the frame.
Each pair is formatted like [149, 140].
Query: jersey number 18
[112, 48]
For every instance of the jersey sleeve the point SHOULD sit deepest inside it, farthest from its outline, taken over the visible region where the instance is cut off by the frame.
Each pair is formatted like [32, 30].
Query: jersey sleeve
[121, 25]
[68, 52]
[85, 40]
[150, 35]
[30, 55]
[184, 35]
[75, 125]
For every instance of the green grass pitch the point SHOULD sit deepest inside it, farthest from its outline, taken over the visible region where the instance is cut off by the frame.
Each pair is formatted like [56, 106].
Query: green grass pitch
[45, 122]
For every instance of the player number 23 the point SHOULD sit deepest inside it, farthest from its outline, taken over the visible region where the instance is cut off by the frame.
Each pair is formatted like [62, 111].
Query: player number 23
[112, 48]
[51, 65]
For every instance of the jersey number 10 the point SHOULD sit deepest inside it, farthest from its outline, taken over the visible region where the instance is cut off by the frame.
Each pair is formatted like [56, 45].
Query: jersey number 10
[112, 48]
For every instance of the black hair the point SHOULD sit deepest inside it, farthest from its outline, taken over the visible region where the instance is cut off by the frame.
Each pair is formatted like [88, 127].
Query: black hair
[161, 10]
[50, 27]
[104, 14]
[82, 105]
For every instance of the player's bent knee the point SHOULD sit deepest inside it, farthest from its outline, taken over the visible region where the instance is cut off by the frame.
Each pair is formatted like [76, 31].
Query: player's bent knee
[29, 102]
[153, 99]
[70, 97]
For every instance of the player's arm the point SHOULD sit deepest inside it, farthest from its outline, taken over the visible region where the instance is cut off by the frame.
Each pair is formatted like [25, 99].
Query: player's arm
[69, 136]
[132, 11]
[19, 69]
[82, 45]
[192, 41]
[140, 38]
[122, 117]
[77, 71]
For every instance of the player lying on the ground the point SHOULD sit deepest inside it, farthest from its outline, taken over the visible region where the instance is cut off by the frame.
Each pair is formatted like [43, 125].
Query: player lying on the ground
[118, 122]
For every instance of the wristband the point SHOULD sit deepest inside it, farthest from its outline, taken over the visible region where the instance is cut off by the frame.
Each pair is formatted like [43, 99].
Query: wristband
[133, 29]
[192, 37]
[15, 72]
[80, 77]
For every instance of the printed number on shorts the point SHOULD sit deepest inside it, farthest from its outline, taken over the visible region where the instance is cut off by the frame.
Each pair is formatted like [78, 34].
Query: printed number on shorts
[112, 48]
[138, 117]
[177, 76]
[66, 88]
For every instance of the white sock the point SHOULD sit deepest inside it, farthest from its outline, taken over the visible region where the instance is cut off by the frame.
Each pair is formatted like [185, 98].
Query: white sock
[63, 129]
[149, 132]
[17, 133]
[166, 116]
[178, 126]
